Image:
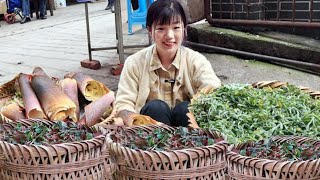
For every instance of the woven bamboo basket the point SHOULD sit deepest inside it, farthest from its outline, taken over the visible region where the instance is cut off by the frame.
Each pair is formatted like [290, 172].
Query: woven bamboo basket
[7, 89]
[277, 84]
[4, 119]
[247, 168]
[195, 163]
[87, 159]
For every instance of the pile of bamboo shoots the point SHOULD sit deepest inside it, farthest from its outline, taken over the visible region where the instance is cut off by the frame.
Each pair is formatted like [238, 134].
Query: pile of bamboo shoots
[39, 96]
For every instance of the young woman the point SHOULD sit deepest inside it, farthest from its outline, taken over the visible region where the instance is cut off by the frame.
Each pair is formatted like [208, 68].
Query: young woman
[160, 80]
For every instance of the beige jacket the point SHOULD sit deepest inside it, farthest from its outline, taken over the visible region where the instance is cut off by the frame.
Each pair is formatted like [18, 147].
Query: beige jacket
[195, 73]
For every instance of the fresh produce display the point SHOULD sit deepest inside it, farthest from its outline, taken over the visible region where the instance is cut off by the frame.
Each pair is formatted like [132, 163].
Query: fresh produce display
[165, 152]
[12, 104]
[243, 113]
[40, 133]
[39, 96]
[161, 139]
[286, 151]
[90, 88]
[54, 102]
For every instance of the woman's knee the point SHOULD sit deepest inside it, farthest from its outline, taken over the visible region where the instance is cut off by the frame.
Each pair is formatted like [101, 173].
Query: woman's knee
[158, 110]
[179, 114]
[157, 104]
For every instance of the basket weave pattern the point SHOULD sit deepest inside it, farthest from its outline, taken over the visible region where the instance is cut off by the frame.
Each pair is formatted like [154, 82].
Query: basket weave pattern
[76, 160]
[247, 168]
[8, 89]
[194, 163]
[278, 84]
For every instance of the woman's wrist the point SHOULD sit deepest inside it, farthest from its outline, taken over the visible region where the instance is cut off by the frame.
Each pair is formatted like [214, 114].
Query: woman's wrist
[126, 116]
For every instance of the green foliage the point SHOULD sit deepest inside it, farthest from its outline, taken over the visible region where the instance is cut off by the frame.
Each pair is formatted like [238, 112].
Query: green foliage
[39, 133]
[287, 151]
[161, 139]
[244, 113]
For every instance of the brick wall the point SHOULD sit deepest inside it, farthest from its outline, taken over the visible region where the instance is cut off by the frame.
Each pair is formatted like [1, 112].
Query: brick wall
[265, 9]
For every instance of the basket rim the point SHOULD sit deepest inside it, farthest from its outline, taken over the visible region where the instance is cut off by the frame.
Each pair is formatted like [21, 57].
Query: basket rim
[266, 164]
[95, 141]
[218, 146]
[8, 84]
[277, 84]
[231, 155]
[110, 141]
[274, 84]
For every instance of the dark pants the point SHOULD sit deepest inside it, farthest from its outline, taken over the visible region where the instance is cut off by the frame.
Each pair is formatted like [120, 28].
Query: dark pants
[111, 2]
[160, 111]
[135, 4]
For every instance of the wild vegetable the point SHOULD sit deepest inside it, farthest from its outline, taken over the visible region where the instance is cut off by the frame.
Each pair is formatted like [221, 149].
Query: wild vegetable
[161, 139]
[287, 151]
[41, 134]
[244, 113]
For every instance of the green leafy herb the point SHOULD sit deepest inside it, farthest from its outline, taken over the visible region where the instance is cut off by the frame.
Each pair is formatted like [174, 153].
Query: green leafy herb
[244, 113]
[287, 151]
[162, 139]
[40, 133]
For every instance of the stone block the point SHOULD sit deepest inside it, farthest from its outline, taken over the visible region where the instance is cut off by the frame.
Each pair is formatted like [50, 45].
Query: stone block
[194, 10]
[93, 64]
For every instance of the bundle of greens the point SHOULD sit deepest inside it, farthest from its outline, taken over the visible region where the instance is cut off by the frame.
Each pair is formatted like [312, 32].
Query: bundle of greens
[243, 113]
[287, 151]
[161, 139]
[40, 133]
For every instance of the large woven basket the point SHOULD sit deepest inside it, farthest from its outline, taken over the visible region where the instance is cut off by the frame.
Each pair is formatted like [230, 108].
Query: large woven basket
[76, 160]
[7, 90]
[195, 163]
[277, 84]
[247, 168]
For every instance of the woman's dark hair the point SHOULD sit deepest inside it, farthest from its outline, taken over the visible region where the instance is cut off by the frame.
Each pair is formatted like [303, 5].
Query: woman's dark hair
[162, 11]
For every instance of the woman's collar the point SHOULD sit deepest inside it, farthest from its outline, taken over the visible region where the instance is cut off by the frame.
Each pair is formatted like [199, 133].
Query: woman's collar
[155, 62]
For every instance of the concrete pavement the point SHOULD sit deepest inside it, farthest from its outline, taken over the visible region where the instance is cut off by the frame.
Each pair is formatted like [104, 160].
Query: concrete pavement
[59, 43]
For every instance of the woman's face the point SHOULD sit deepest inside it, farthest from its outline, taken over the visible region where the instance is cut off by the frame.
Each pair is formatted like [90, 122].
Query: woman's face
[168, 37]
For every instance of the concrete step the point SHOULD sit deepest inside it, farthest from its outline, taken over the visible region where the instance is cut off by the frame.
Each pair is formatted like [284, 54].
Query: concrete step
[270, 43]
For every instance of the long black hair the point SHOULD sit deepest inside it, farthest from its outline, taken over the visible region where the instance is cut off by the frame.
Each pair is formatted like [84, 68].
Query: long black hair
[163, 11]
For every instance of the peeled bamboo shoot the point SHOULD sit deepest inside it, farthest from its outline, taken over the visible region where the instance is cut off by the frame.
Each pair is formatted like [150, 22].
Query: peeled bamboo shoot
[95, 110]
[90, 88]
[56, 105]
[13, 111]
[70, 88]
[30, 100]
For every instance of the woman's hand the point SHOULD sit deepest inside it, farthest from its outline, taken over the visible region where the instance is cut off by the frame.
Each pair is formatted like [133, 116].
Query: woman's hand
[125, 115]
[133, 119]
[138, 119]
